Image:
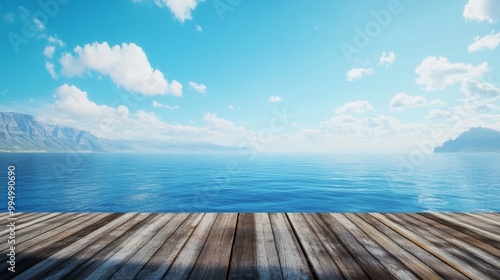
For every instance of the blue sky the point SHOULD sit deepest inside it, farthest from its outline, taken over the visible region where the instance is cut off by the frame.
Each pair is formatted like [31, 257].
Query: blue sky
[387, 75]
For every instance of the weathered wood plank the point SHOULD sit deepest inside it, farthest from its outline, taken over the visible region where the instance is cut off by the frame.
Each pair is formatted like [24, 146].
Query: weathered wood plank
[292, 259]
[243, 257]
[106, 269]
[89, 252]
[163, 258]
[411, 262]
[106, 252]
[60, 256]
[213, 261]
[37, 226]
[448, 258]
[268, 263]
[466, 252]
[141, 257]
[186, 260]
[392, 264]
[370, 264]
[437, 264]
[458, 234]
[41, 247]
[471, 221]
[322, 264]
[480, 233]
[257, 246]
[346, 263]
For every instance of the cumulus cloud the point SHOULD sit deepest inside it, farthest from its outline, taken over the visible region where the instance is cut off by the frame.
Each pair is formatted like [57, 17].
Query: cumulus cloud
[201, 88]
[127, 65]
[220, 124]
[478, 89]
[54, 40]
[233, 107]
[482, 10]
[72, 107]
[181, 9]
[48, 52]
[439, 115]
[274, 99]
[402, 101]
[161, 105]
[50, 67]
[490, 41]
[387, 58]
[355, 107]
[358, 73]
[436, 73]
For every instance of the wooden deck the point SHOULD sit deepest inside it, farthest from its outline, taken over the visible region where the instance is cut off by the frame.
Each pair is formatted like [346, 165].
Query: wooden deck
[255, 246]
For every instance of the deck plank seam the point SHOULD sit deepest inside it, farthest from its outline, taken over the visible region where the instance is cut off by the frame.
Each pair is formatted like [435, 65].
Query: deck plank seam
[204, 245]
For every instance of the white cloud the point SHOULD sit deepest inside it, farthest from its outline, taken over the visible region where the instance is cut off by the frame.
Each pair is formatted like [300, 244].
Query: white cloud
[161, 105]
[490, 41]
[436, 73]
[355, 107]
[56, 41]
[233, 107]
[482, 10]
[48, 52]
[127, 65]
[402, 101]
[201, 88]
[274, 99]
[73, 101]
[435, 114]
[474, 108]
[387, 58]
[180, 8]
[72, 107]
[357, 73]
[198, 28]
[221, 124]
[50, 67]
[478, 89]
[39, 25]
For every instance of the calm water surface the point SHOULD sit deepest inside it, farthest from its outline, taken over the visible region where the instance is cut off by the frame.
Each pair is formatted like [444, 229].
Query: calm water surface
[267, 183]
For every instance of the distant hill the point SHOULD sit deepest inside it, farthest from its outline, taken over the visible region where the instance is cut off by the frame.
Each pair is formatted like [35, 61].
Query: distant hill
[477, 139]
[22, 133]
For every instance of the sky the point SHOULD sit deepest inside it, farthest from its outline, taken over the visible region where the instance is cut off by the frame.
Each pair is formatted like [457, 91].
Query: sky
[305, 76]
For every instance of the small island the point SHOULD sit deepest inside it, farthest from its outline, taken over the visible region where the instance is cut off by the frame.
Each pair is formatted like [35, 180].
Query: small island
[476, 139]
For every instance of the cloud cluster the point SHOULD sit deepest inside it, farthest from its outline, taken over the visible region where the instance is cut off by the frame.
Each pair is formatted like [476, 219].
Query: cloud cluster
[355, 107]
[165, 106]
[490, 41]
[181, 9]
[358, 73]
[201, 88]
[482, 10]
[274, 99]
[72, 107]
[403, 100]
[387, 58]
[127, 66]
[436, 73]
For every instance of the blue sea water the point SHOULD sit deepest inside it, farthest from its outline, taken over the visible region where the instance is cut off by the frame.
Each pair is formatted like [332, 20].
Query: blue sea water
[101, 182]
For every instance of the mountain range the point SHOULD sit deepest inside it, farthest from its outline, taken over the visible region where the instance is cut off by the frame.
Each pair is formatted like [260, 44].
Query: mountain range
[476, 139]
[22, 133]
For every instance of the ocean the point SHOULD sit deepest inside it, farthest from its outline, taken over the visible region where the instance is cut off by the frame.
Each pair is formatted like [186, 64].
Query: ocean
[115, 182]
